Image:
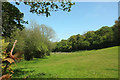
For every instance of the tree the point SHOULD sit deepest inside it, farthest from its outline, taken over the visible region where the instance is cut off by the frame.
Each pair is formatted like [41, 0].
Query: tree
[46, 7]
[102, 38]
[106, 34]
[90, 37]
[81, 42]
[19, 36]
[12, 19]
[48, 32]
[37, 41]
[73, 41]
[116, 32]
[64, 46]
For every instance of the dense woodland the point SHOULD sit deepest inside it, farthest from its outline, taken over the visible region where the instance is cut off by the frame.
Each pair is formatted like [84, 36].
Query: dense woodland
[102, 38]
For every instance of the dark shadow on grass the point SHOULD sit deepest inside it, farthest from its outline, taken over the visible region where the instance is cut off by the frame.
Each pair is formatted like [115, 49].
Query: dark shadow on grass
[39, 75]
[36, 59]
[20, 71]
[112, 69]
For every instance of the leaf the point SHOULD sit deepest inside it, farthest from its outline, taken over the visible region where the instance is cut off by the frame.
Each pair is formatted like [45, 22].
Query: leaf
[17, 3]
[10, 60]
[69, 10]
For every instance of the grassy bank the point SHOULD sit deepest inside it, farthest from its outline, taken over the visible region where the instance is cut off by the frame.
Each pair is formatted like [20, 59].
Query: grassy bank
[102, 63]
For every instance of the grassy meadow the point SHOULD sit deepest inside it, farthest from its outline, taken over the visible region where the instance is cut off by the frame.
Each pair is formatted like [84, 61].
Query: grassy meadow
[102, 63]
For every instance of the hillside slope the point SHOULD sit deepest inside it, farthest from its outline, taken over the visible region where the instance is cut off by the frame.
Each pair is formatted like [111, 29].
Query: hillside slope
[101, 63]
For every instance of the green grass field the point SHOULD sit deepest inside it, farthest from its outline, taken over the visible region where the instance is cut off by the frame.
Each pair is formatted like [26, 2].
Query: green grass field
[102, 63]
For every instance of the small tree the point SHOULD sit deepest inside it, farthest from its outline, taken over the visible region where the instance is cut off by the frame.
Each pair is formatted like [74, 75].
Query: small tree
[37, 41]
[7, 60]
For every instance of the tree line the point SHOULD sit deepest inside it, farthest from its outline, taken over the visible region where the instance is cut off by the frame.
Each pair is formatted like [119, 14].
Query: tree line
[101, 38]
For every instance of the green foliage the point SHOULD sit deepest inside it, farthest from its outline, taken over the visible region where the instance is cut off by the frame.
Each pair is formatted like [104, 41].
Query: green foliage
[3, 44]
[102, 38]
[7, 60]
[19, 36]
[33, 42]
[12, 19]
[107, 32]
[46, 7]
[37, 41]
[116, 29]
[3, 48]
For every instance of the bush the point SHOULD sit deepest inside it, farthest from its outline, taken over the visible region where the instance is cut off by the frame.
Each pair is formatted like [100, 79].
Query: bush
[19, 47]
[33, 42]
